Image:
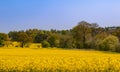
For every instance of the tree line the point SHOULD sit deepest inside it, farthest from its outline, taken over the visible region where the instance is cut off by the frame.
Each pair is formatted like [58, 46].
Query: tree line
[83, 36]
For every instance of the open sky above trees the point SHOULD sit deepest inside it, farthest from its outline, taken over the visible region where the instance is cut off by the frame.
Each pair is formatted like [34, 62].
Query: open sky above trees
[56, 14]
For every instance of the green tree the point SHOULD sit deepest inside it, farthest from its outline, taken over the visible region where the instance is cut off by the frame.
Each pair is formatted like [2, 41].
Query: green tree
[53, 39]
[109, 43]
[45, 44]
[67, 41]
[23, 38]
[1, 40]
[98, 38]
[40, 37]
[32, 33]
[115, 31]
[82, 34]
[13, 35]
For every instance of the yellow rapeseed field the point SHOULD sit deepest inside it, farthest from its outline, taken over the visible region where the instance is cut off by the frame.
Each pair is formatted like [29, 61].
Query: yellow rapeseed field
[57, 60]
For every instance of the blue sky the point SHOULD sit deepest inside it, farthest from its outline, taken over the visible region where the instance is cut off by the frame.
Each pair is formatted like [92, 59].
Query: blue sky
[56, 14]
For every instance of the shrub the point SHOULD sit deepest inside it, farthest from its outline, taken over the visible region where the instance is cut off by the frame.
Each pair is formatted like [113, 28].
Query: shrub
[109, 43]
[45, 44]
[1, 40]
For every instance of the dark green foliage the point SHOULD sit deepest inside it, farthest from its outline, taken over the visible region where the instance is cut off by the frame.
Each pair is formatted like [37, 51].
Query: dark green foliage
[23, 38]
[32, 33]
[54, 40]
[3, 37]
[40, 37]
[1, 40]
[13, 35]
[45, 44]
[67, 41]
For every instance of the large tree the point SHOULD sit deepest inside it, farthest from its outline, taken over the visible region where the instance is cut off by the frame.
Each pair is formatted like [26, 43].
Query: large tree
[3, 38]
[40, 37]
[53, 39]
[67, 41]
[82, 34]
[23, 38]
[13, 35]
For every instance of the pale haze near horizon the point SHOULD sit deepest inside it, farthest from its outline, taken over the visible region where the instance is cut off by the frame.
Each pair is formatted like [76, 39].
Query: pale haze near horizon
[56, 14]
